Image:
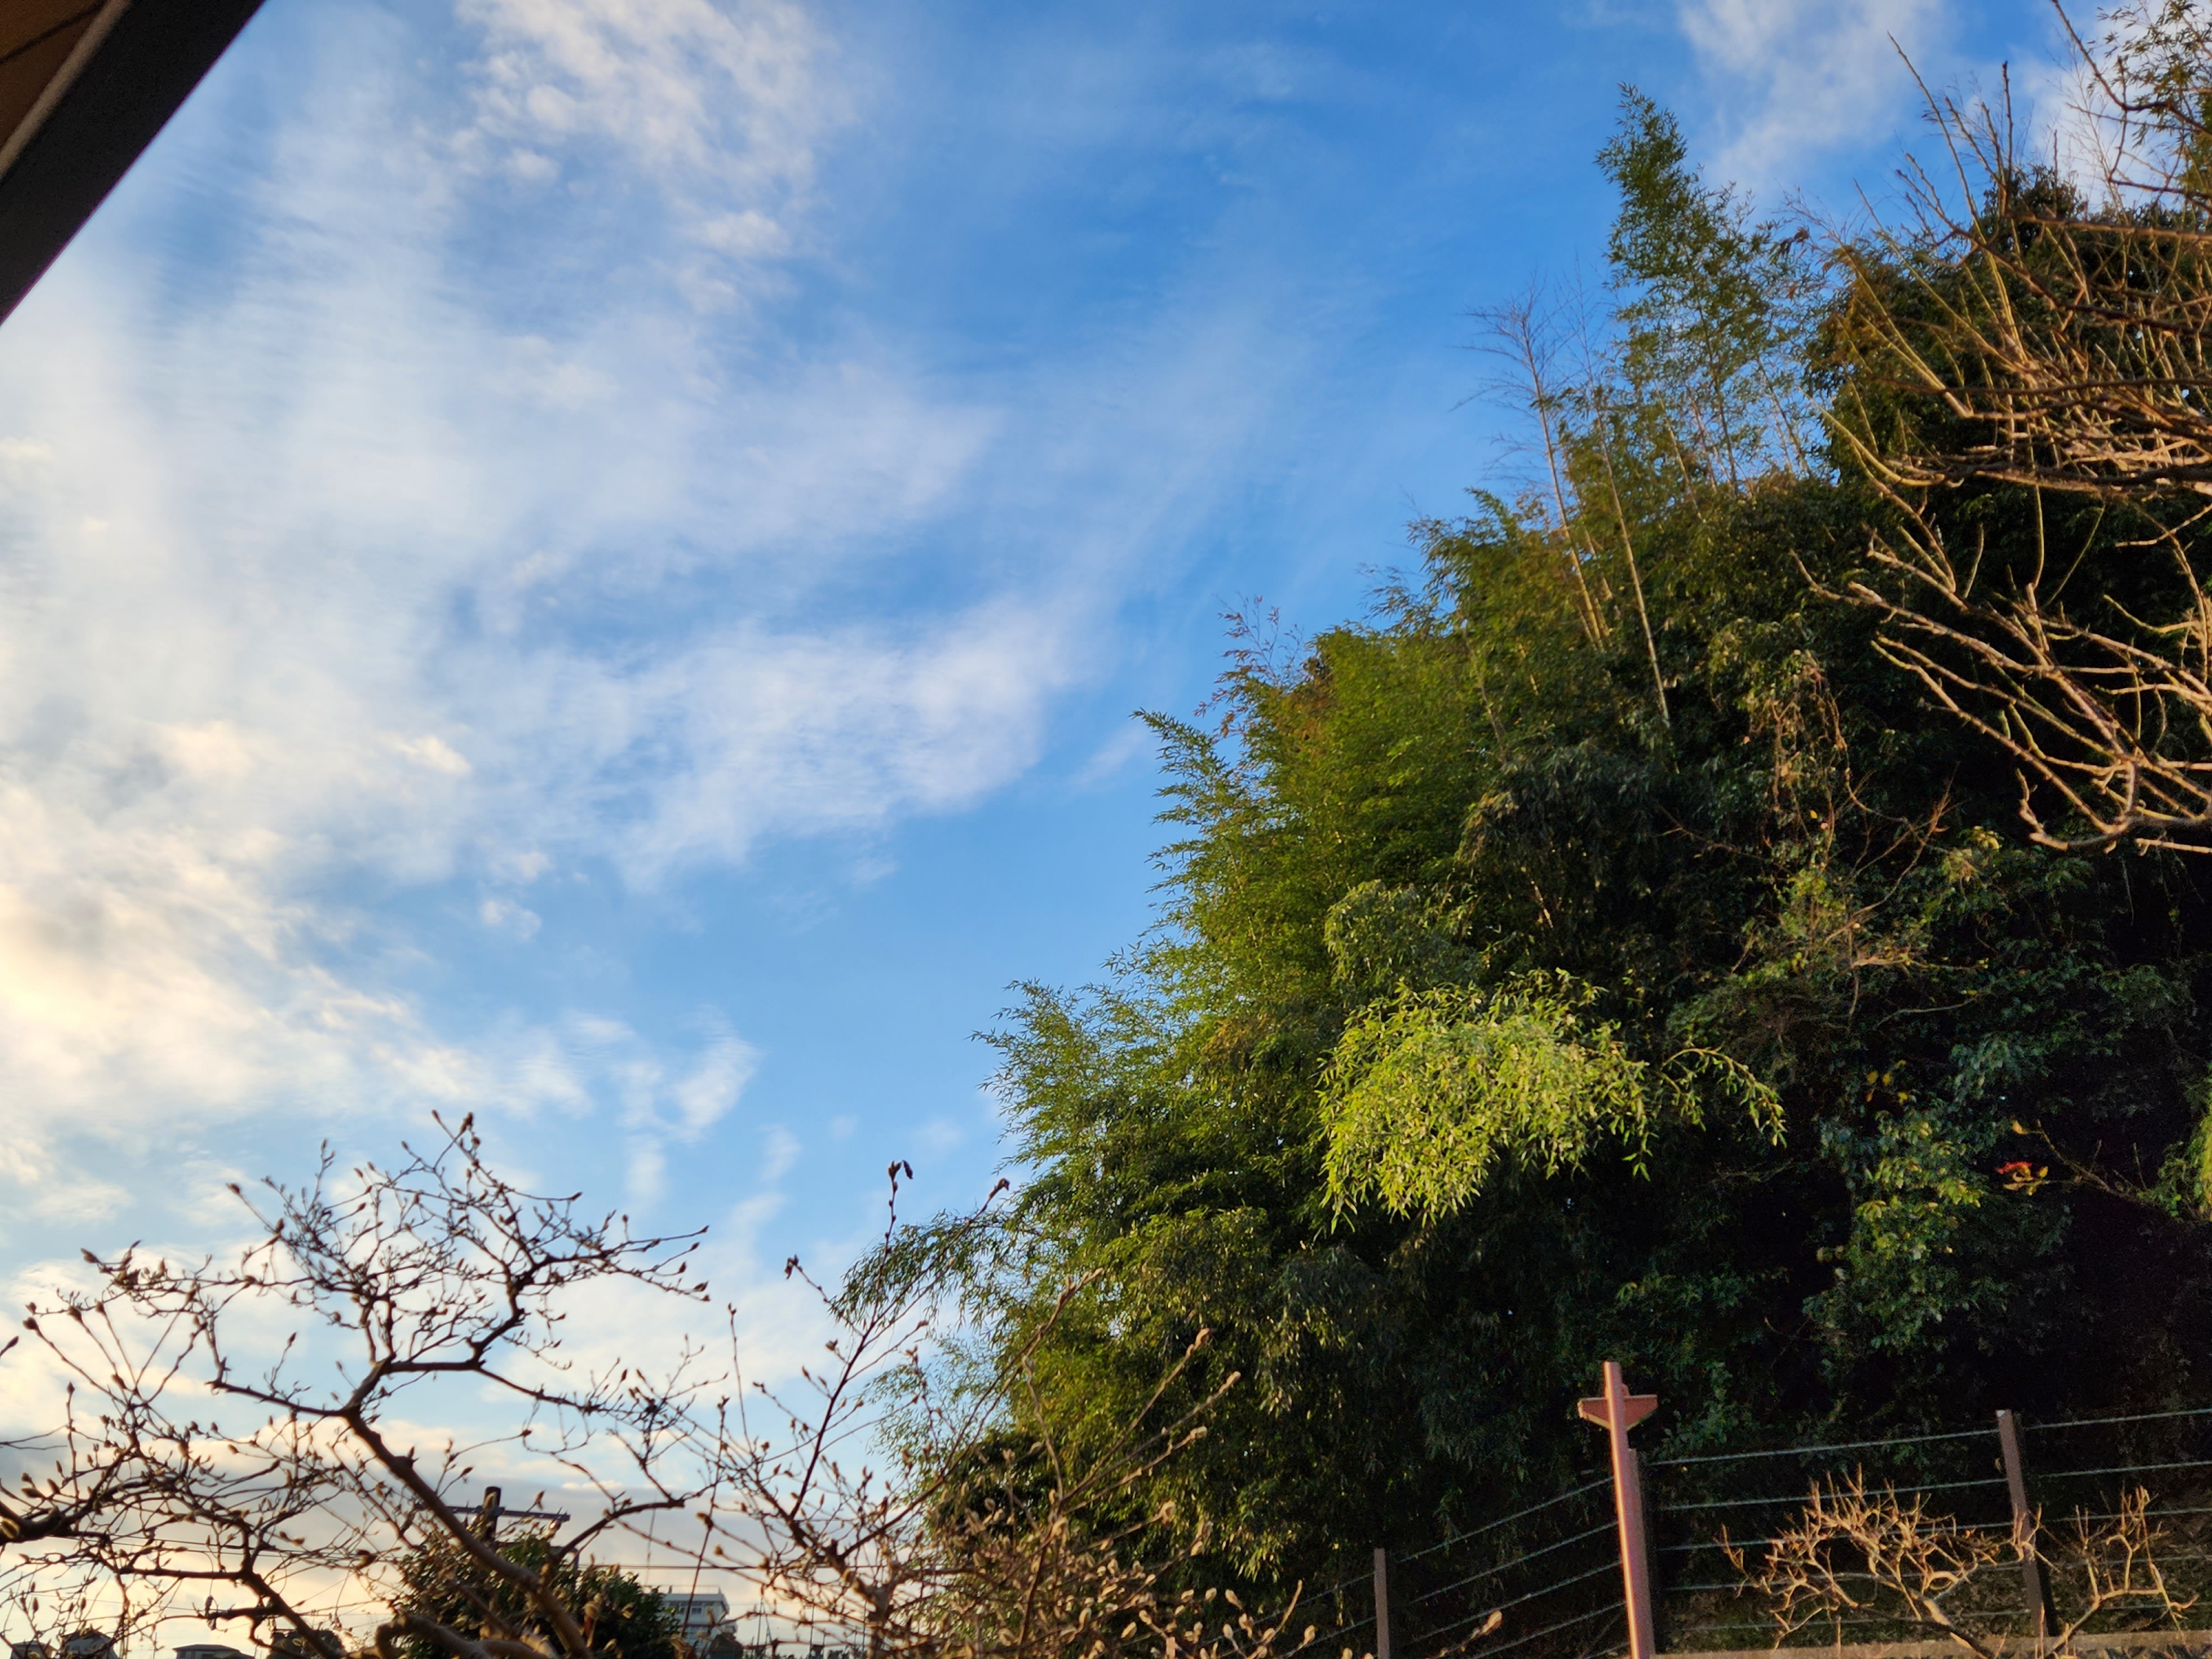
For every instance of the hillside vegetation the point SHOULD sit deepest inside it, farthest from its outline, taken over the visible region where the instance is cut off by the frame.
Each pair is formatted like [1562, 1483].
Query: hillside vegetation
[1611, 947]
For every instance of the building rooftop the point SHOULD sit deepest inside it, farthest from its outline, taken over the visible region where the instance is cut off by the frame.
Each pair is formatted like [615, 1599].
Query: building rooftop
[702, 1610]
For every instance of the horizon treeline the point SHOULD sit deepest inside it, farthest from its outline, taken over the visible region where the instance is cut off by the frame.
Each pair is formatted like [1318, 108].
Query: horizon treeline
[1606, 949]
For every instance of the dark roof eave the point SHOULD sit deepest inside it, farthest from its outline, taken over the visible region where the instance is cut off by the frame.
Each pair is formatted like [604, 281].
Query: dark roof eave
[136, 64]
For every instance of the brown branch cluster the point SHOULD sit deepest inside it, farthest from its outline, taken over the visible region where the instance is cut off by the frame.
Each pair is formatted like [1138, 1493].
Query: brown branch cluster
[2053, 331]
[1860, 1555]
[2113, 721]
[989, 1537]
[209, 1476]
[249, 1443]
[2061, 320]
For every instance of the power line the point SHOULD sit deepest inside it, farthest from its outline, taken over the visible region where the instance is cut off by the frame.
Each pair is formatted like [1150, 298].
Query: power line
[1518, 1514]
[2133, 1417]
[1533, 1635]
[1342, 1630]
[1840, 1445]
[2123, 1469]
[1493, 1572]
[1609, 1566]
[1801, 1497]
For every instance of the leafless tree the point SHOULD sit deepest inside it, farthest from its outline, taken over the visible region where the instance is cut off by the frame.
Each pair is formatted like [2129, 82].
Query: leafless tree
[1575, 416]
[2063, 319]
[2058, 330]
[1522, 333]
[257, 1426]
[256, 1441]
[986, 1536]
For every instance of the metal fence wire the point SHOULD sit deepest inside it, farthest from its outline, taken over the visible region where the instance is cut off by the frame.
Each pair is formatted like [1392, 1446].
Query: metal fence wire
[1546, 1582]
[1542, 1582]
[2074, 1474]
[1714, 1516]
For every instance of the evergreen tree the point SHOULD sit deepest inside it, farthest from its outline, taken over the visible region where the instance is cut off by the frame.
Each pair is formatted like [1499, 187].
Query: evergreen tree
[622, 1618]
[1602, 952]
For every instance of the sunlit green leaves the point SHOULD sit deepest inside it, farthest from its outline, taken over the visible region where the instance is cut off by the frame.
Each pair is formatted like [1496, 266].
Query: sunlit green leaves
[1430, 1092]
[1490, 1026]
[1918, 1179]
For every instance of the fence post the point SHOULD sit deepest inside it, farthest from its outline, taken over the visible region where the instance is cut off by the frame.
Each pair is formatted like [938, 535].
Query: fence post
[1382, 1603]
[2023, 1521]
[1617, 1411]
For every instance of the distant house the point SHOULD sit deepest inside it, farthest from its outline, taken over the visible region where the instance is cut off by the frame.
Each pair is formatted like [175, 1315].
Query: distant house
[84, 86]
[704, 1612]
[209, 1651]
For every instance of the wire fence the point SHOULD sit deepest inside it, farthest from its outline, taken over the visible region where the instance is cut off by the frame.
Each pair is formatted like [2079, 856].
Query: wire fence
[1542, 1581]
[1546, 1582]
[1715, 1516]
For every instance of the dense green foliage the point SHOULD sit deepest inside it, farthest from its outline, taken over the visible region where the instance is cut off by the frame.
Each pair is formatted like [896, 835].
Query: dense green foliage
[1531, 989]
[623, 1618]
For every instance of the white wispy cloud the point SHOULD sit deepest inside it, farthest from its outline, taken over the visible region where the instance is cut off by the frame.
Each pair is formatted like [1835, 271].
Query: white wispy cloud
[1808, 75]
[720, 108]
[332, 574]
[711, 1091]
[730, 90]
[320, 580]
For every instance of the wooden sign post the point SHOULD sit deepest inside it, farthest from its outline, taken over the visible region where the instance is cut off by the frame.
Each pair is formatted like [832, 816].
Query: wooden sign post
[1617, 1411]
[2023, 1529]
[1385, 1648]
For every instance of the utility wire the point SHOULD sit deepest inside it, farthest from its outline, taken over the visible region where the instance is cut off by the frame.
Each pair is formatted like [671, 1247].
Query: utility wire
[2116, 1515]
[1518, 1514]
[1840, 1445]
[1830, 1624]
[2134, 1417]
[1940, 1528]
[1609, 1566]
[1739, 1584]
[2123, 1469]
[1320, 1596]
[1580, 1617]
[1342, 1630]
[1896, 1491]
[1515, 1561]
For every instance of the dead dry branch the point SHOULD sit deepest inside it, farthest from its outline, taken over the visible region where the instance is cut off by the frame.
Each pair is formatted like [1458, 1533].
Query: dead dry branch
[989, 1536]
[2055, 332]
[1857, 1556]
[253, 1443]
[247, 1481]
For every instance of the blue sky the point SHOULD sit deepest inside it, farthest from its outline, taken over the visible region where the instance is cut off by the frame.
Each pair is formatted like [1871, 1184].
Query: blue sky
[589, 561]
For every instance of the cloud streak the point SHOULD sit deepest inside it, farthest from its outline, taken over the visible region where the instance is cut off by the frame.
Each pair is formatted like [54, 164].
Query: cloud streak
[321, 583]
[720, 108]
[1819, 74]
[429, 548]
